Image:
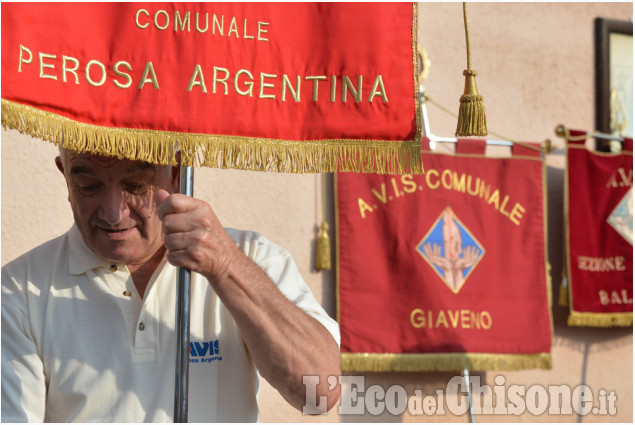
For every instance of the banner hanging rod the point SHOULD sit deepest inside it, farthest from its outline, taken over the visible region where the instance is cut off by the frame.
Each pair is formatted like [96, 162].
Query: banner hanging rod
[561, 131]
[455, 140]
[428, 134]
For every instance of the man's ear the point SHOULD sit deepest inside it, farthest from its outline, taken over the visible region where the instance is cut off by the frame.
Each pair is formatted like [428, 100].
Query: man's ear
[59, 164]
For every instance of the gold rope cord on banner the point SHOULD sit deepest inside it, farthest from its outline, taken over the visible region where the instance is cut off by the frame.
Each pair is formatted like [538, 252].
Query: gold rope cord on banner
[438, 362]
[219, 151]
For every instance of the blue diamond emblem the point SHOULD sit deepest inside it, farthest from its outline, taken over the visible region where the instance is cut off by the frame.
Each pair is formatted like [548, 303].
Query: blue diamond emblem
[451, 250]
[621, 219]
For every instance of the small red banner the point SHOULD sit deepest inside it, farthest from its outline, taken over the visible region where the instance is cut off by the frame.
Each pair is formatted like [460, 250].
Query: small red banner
[599, 224]
[447, 269]
[282, 77]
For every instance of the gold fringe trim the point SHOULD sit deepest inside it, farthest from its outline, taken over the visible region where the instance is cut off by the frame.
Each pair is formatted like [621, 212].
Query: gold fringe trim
[218, 151]
[438, 362]
[600, 320]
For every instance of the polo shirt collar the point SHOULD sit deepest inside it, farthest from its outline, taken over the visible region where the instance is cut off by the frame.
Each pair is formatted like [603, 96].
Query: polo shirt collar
[81, 258]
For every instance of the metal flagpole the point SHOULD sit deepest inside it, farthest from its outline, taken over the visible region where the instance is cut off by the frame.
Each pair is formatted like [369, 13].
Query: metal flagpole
[183, 319]
[468, 386]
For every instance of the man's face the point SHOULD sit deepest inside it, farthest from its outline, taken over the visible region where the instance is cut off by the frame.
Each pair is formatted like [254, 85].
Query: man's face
[113, 203]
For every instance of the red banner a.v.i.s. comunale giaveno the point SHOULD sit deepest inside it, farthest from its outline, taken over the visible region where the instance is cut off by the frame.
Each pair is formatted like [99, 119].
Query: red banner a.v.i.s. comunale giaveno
[599, 234]
[299, 87]
[446, 269]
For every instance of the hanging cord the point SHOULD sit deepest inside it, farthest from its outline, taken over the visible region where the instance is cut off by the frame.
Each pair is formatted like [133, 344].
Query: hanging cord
[467, 39]
[472, 120]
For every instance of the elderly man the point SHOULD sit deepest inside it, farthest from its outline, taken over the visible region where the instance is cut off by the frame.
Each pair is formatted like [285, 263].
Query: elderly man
[88, 319]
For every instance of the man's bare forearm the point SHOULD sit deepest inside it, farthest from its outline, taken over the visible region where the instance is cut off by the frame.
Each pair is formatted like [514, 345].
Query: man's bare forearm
[284, 342]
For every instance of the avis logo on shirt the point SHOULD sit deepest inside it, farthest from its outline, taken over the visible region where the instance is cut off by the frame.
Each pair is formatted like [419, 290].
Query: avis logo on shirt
[204, 352]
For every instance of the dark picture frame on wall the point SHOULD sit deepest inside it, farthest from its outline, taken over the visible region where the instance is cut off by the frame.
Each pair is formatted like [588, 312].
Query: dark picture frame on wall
[613, 79]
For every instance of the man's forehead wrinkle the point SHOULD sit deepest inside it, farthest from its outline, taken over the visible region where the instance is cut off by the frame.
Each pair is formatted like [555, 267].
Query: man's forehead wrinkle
[101, 161]
[142, 166]
[82, 163]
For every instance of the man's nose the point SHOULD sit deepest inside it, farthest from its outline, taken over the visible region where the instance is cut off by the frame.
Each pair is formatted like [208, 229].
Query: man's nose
[114, 207]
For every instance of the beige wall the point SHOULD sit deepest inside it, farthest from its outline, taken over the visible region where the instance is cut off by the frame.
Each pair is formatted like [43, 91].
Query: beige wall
[536, 70]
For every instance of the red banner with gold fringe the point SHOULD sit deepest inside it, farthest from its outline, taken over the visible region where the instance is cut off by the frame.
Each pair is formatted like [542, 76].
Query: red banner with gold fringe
[298, 87]
[599, 234]
[448, 269]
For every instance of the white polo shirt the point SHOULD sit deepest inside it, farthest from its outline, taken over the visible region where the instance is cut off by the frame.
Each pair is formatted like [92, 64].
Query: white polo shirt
[80, 344]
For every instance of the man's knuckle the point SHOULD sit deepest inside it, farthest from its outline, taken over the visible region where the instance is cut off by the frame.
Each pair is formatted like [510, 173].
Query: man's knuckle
[206, 223]
[168, 222]
[198, 256]
[205, 236]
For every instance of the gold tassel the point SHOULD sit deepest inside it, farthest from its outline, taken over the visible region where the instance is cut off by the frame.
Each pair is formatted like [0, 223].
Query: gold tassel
[323, 245]
[563, 298]
[323, 248]
[472, 120]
